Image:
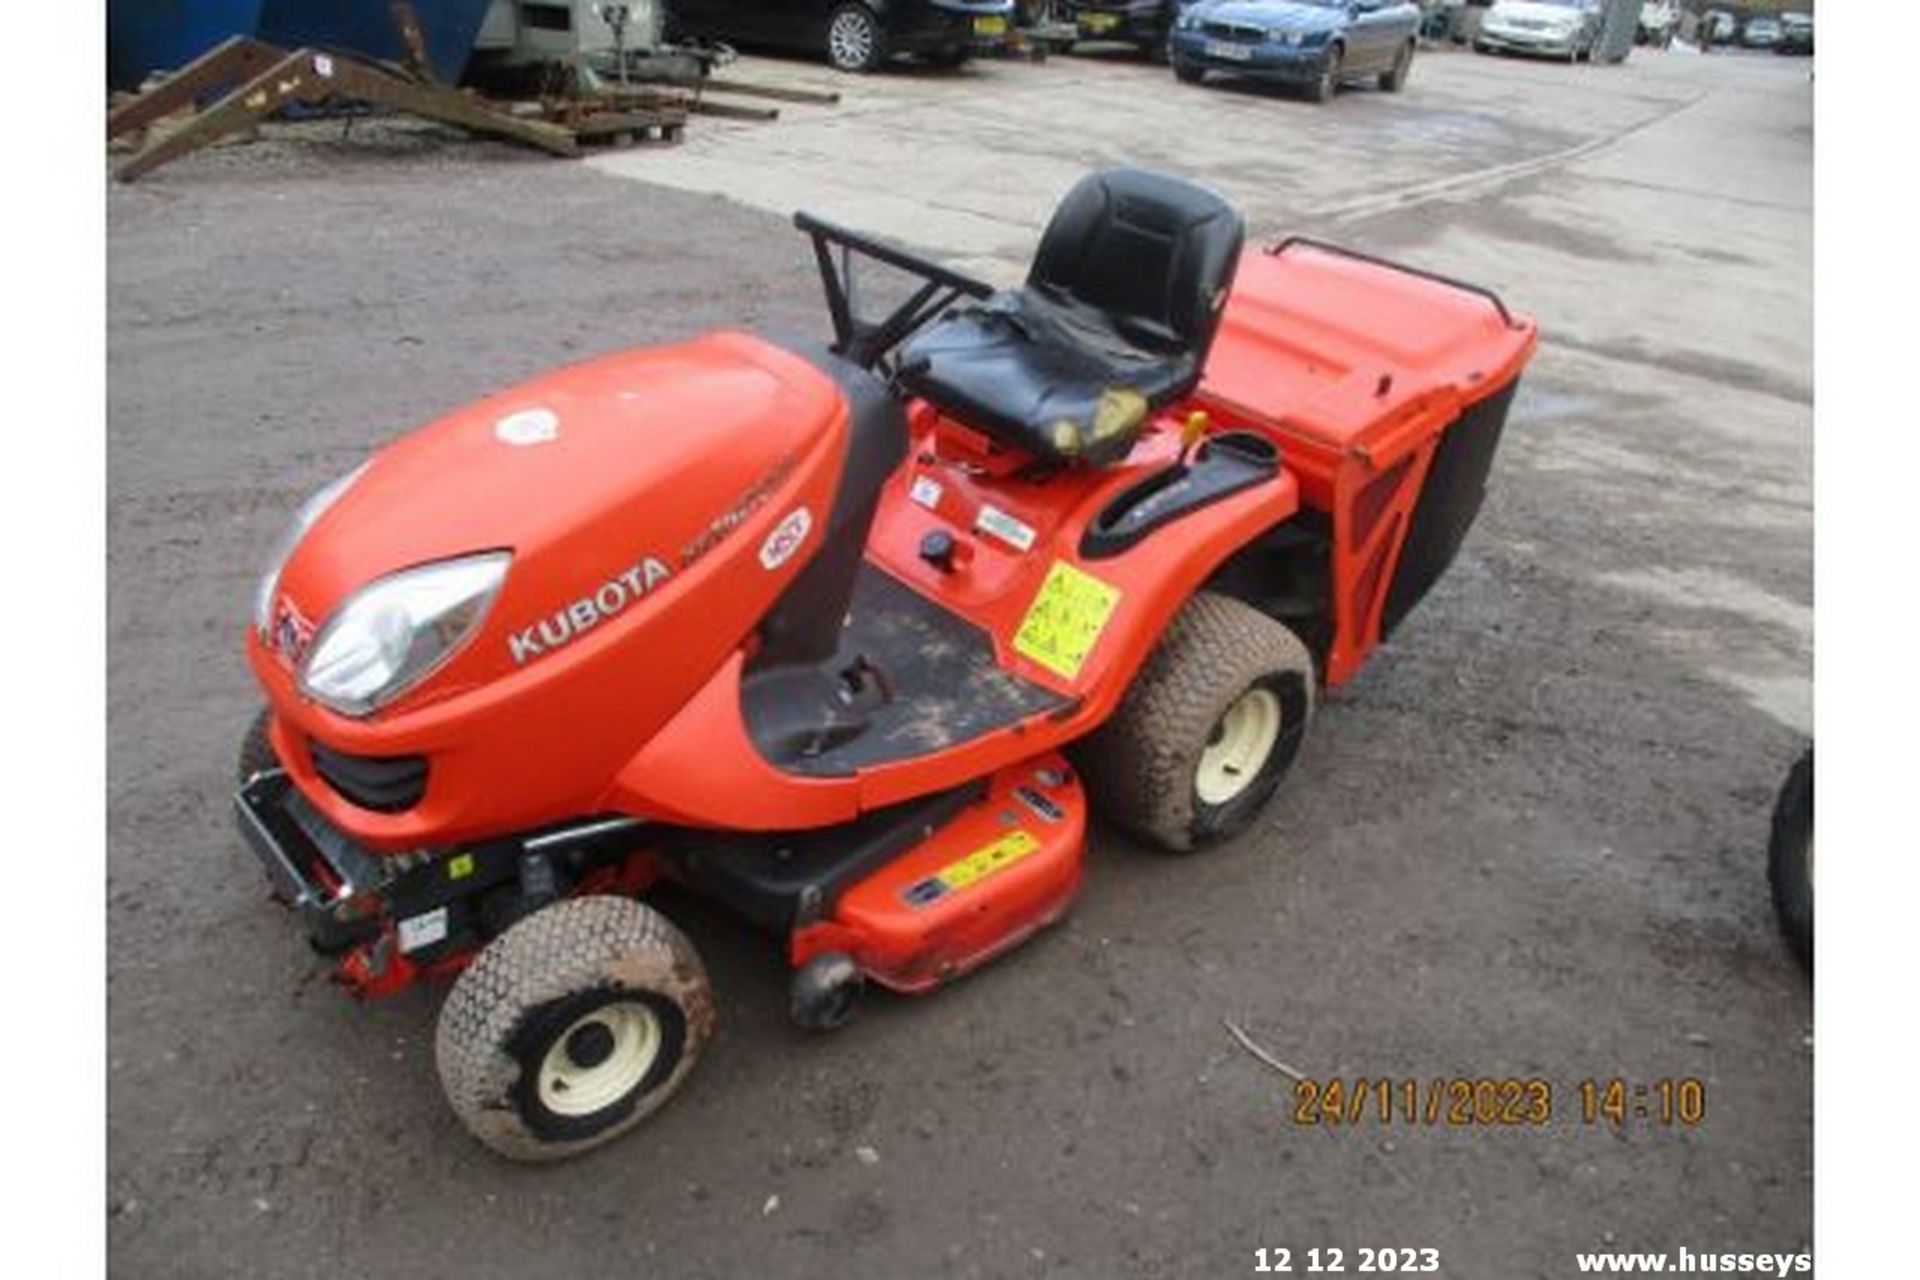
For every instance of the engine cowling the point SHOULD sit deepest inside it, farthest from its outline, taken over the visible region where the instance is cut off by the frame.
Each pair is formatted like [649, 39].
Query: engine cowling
[655, 504]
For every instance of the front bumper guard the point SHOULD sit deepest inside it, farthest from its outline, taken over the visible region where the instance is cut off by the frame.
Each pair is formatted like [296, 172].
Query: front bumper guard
[314, 868]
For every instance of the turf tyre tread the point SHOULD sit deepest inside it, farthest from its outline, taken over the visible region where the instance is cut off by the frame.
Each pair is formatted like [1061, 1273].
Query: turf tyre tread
[1139, 766]
[575, 945]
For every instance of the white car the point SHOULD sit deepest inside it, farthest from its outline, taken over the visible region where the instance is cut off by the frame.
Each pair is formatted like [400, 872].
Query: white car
[1557, 28]
[1659, 20]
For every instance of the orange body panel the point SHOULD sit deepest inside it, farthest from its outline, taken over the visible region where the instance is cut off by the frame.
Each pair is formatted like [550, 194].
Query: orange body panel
[1355, 369]
[651, 452]
[1002, 868]
[690, 456]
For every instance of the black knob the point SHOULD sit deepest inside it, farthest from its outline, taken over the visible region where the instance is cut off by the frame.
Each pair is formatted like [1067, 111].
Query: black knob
[937, 550]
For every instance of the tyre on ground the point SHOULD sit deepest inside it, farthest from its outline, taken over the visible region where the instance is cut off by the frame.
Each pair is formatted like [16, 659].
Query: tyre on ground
[855, 39]
[1790, 858]
[1207, 731]
[1394, 78]
[572, 1027]
[256, 750]
[1327, 83]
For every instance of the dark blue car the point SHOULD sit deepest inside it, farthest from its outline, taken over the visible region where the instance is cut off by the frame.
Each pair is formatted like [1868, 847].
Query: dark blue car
[1315, 43]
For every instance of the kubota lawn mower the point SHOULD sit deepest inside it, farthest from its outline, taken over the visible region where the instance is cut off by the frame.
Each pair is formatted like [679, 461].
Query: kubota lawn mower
[850, 638]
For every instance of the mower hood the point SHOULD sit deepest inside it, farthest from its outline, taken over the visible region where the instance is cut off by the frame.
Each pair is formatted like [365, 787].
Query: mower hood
[615, 484]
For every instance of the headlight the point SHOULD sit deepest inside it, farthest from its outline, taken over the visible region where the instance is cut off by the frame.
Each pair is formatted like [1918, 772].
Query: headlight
[394, 632]
[1286, 37]
[304, 519]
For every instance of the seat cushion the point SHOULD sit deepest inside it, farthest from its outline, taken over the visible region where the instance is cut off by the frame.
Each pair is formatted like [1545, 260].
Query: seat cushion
[1044, 376]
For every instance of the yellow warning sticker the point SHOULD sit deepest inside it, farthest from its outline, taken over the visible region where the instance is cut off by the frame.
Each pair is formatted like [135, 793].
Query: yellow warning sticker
[981, 863]
[460, 866]
[973, 868]
[1066, 618]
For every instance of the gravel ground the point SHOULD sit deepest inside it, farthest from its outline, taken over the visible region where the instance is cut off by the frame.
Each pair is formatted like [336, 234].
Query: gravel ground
[1527, 841]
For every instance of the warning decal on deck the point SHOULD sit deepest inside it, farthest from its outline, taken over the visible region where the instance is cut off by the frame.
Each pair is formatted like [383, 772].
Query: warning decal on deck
[976, 866]
[1065, 620]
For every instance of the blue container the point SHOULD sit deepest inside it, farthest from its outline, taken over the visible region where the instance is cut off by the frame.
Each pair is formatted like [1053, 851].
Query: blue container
[144, 36]
[366, 27]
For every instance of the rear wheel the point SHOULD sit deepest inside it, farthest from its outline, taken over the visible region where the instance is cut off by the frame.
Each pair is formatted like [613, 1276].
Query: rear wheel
[1208, 730]
[572, 1027]
[855, 41]
[1395, 78]
[1328, 81]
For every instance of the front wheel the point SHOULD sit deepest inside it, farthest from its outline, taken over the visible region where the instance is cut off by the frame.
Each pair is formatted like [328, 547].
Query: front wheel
[1395, 78]
[855, 41]
[1187, 72]
[1328, 82]
[1209, 729]
[256, 750]
[572, 1027]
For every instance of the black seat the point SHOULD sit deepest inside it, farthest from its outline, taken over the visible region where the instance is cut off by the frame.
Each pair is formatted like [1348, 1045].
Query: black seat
[1114, 321]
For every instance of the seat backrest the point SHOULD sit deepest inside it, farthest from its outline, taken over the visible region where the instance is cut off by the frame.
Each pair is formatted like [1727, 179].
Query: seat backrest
[1153, 255]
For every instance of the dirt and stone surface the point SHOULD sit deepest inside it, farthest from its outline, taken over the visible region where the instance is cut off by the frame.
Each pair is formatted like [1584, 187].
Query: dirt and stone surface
[1526, 841]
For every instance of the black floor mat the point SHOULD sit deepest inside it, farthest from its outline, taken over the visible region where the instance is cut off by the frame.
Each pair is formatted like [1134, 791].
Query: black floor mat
[946, 688]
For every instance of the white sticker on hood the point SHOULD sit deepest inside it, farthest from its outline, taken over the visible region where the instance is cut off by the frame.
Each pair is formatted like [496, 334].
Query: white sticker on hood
[529, 426]
[786, 539]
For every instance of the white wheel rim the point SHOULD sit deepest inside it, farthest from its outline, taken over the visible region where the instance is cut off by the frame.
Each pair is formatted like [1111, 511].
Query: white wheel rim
[850, 38]
[1242, 742]
[569, 1086]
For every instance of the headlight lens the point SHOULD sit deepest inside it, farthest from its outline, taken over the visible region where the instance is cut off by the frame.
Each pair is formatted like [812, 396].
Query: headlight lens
[393, 633]
[304, 519]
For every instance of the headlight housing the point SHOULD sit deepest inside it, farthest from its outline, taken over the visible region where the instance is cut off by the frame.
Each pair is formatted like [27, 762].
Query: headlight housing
[304, 519]
[396, 631]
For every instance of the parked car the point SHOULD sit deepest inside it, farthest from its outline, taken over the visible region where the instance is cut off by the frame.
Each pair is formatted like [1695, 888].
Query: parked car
[1717, 26]
[1315, 43]
[1796, 33]
[1659, 20]
[856, 35]
[1557, 28]
[1761, 33]
[1142, 23]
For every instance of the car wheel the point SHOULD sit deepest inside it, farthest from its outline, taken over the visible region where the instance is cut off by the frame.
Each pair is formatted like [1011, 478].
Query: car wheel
[855, 41]
[1208, 729]
[1395, 79]
[1187, 72]
[572, 1027]
[1328, 82]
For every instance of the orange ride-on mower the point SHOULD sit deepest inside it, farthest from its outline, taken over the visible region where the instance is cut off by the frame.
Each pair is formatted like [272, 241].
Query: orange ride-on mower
[850, 638]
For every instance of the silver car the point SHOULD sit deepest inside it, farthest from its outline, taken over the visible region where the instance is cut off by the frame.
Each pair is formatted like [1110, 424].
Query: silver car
[1565, 29]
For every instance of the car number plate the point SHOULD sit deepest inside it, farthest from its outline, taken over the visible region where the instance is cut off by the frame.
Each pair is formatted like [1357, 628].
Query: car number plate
[1099, 21]
[1228, 50]
[994, 26]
